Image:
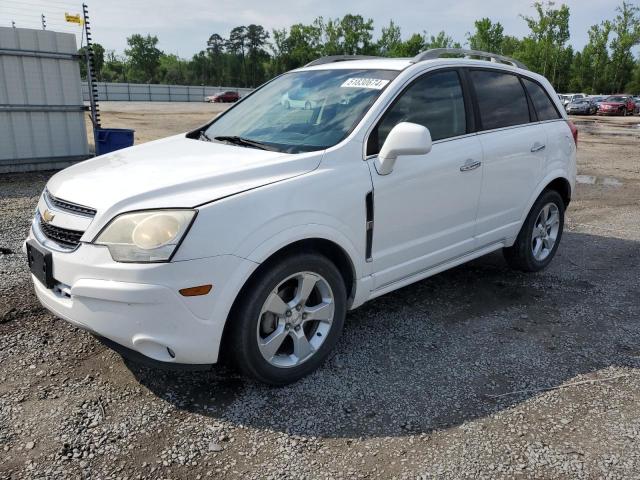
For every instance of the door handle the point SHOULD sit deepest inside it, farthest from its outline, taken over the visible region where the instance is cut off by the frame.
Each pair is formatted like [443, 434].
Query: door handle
[470, 165]
[538, 147]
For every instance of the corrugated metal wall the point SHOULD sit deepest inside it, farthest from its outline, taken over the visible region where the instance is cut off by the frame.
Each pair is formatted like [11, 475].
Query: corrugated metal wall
[42, 119]
[142, 92]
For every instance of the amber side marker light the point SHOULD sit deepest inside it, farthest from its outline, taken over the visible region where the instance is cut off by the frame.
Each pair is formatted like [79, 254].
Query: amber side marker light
[195, 291]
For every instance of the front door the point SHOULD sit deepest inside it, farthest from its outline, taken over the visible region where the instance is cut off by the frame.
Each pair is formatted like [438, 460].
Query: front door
[425, 209]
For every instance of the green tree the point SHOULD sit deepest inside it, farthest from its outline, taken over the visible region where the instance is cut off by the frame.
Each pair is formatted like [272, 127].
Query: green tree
[595, 59]
[441, 40]
[280, 49]
[390, 41]
[256, 38]
[633, 86]
[488, 36]
[332, 36]
[143, 58]
[237, 46]
[357, 37]
[544, 47]
[114, 69]
[626, 27]
[98, 61]
[173, 70]
[215, 48]
[304, 43]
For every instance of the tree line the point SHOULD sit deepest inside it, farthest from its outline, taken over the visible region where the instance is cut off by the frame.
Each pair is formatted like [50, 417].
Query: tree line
[251, 54]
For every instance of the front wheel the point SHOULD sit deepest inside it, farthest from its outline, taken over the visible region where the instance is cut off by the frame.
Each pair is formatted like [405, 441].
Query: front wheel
[538, 240]
[288, 319]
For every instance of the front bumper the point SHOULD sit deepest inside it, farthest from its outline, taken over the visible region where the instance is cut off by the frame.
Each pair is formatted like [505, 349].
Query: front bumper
[138, 306]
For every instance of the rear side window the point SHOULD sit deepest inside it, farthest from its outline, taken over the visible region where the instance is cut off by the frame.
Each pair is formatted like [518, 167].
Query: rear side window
[545, 108]
[434, 101]
[501, 99]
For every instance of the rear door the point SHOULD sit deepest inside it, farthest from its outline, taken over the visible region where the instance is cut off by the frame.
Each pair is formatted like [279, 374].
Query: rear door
[514, 146]
[559, 138]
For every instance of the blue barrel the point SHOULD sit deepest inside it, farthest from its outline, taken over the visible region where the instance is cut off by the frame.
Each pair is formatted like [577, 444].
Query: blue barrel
[112, 139]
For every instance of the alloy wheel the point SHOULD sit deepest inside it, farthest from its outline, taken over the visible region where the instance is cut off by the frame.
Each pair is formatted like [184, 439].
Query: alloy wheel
[545, 232]
[295, 319]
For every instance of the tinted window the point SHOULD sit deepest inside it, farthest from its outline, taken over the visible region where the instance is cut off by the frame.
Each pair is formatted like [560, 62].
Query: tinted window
[541, 101]
[501, 99]
[434, 100]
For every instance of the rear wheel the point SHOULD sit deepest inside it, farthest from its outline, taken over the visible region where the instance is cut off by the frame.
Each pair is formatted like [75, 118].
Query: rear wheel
[289, 318]
[538, 240]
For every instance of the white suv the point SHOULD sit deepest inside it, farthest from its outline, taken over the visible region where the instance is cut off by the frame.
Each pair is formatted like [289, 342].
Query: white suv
[257, 232]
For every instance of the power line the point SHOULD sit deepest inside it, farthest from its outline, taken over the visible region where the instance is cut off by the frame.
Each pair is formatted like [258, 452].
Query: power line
[31, 6]
[47, 4]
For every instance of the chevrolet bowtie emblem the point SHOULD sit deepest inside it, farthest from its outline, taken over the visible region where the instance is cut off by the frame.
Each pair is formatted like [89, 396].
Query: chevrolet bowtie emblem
[47, 216]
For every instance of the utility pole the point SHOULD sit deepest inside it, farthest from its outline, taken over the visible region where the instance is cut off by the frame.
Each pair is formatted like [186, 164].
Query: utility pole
[44, 22]
[13, 24]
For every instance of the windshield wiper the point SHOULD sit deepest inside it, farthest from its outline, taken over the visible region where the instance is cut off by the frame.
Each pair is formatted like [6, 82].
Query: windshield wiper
[245, 142]
[204, 136]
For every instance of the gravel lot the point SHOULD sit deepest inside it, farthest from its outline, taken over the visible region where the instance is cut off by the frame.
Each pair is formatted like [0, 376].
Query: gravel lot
[479, 372]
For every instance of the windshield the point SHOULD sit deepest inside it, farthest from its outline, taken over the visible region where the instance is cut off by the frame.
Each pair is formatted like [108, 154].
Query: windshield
[616, 99]
[302, 111]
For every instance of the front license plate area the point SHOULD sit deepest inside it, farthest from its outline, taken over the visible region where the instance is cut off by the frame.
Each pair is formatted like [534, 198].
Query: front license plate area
[40, 264]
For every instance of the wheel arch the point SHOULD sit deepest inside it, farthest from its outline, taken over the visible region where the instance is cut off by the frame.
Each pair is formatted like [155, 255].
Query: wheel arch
[331, 249]
[557, 180]
[562, 186]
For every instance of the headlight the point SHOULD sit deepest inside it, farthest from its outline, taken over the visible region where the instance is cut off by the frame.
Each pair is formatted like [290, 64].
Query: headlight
[149, 236]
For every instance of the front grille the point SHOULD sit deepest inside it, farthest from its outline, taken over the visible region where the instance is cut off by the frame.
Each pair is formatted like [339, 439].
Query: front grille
[62, 236]
[69, 206]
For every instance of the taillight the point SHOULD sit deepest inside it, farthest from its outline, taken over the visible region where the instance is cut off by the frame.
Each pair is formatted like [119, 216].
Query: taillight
[574, 131]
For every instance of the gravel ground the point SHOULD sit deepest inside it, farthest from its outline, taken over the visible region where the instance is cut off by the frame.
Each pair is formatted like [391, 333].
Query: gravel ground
[479, 372]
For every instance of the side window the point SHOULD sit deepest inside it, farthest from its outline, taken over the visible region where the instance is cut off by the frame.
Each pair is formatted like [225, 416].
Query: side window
[545, 108]
[434, 100]
[501, 99]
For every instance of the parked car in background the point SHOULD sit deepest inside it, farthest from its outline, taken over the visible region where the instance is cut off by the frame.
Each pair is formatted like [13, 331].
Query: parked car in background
[582, 106]
[636, 100]
[571, 97]
[223, 97]
[617, 105]
[254, 234]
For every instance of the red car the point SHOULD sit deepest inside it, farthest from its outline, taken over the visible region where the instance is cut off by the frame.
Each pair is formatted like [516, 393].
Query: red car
[617, 105]
[223, 97]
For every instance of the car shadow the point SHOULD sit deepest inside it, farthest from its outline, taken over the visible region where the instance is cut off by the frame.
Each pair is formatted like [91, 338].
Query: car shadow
[445, 350]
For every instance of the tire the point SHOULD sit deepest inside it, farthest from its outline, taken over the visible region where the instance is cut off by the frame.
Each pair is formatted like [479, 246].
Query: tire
[269, 346]
[522, 256]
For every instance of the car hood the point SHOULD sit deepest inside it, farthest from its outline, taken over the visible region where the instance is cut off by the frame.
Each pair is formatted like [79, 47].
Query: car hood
[174, 172]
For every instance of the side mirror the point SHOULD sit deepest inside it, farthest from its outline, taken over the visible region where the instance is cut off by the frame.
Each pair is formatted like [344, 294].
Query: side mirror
[403, 139]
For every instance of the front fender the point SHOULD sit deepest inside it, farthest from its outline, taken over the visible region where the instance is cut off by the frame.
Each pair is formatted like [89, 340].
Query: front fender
[298, 233]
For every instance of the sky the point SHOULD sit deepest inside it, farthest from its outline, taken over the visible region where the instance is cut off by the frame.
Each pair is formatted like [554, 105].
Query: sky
[184, 26]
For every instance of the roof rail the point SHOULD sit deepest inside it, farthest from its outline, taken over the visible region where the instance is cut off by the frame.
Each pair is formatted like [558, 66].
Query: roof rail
[339, 58]
[493, 57]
